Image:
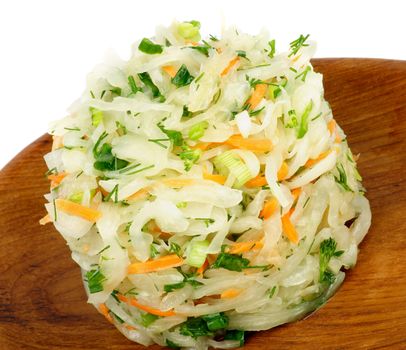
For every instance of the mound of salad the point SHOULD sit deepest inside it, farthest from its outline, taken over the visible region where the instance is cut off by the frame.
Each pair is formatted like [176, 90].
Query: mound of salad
[205, 189]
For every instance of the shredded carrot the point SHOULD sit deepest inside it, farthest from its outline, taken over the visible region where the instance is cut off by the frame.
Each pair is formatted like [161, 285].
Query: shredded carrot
[257, 181]
[230, 293]
[288, 228]
[203, 268]
[269, 208]
[283, 171]
[57, 142]
[332, 127]
[156, 265]
[257, 95]
[190, 42]
[170, 70]
[77, 209]
[312, 162]
[102, 191]
[243, 247]
[149, 309]
[154, 229]
[255, 145]
[45, 220]
[296, 193]
[140, 194]
[202, 146]
[230, 65]
[105, 312]
[215, 177]
[57, 178]
[130, 328]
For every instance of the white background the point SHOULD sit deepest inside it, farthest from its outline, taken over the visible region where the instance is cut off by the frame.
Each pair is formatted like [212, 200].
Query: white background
[48, 47]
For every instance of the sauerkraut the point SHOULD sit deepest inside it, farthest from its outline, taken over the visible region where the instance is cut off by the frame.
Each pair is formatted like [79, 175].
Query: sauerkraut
[205, 189]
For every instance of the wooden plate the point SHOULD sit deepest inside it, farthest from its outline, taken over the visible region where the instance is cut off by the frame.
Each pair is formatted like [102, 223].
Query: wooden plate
[42, 301]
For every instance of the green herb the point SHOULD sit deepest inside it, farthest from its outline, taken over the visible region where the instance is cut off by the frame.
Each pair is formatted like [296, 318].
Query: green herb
[338, 253]
[203, 49]
[73, 129]
[102, 94]
[327, 251]
[170, 344]
[118, 318]
[272, 292]
[295, 45]
[253, 67]
[110, 195]
[181, 205]
[105, 159]
[293, 69]
[189, 156]
[307, 201]
[128, 168]
[272, 51]
[116, 91]
[304, 73]
[207, 221]
[95, 279]
[196, 80]
[255, 113]
[217, 96]
[293, 123]
[173, 135]
[175, 248]
[142, 169]
[230, 262]
[97, 116]
[317, 116]
[304, 121]
[197, 131]
[171, 287]
[92, 94]
[342, 179]
[148, 47]
[182, 77]
[54, 170]
[114, 295]
[241, 53]
[213, 38]
[216, 321]
[80, 173]
[121, 129]
[146, 79]
[133, 86]
[235, 335]
[194, 327]
[158, 142]
[55, 211]
[147, 319]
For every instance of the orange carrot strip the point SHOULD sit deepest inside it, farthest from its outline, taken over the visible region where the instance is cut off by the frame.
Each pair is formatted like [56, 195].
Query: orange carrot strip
[45, 220]
[215, 177]
[283, 171]
[269, 208]
[257, 95]
[314, 161]
[243, 247]
[170, 70]
[105, 312]
[257, 181]
[77, 210]
[130, 328]
[296, 193]
[230, 293]
[57, 142]
[203, 268]
[332, 127]
[149, 309]
[57, 178]
[255, 145]
[140, 194]
[230, 65]
[156, 265]
[288, 228]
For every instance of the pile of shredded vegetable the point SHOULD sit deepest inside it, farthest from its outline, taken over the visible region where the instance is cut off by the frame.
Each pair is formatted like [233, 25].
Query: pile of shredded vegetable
[205, 189]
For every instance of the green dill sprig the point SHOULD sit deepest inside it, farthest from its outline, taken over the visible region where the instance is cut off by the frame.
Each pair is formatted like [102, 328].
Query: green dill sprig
[295, 45]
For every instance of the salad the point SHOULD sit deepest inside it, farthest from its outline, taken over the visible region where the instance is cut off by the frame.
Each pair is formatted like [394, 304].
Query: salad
[205, 188]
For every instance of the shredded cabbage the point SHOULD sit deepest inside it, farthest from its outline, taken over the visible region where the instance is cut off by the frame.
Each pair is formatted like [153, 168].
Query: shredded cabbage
[205, 189]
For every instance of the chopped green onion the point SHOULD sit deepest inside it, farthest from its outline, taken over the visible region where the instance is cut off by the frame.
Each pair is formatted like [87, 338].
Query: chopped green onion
[235, 335]
[216, 321]
[116, 91]
[95, 279]
[229, 163]
[182, 77]
[133, 86]
[189, 156]
[304, 121]
[271, 53]
[189, 30]
[76, 197]
[110, 195]
[171, 287]
[304, 73]
[174, 135]
[241, 53]
[97, 116]
[148, 47]
[342, 178]
[146, 79]
[295, 45]
[197, 253]
[197, 130]
[175, 248]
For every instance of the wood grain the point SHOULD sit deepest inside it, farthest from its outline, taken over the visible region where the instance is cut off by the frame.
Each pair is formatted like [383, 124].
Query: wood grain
[42, 302]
